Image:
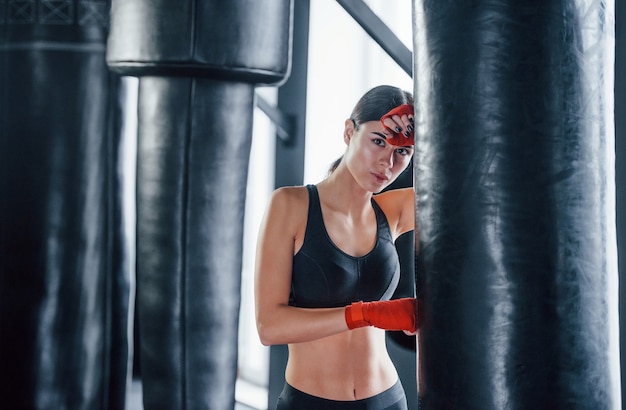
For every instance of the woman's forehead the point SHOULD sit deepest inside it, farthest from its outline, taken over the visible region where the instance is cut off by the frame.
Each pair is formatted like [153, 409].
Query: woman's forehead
[375, 126]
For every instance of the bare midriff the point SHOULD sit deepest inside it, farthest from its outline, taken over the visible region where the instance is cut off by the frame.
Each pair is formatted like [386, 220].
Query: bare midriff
[351, 365]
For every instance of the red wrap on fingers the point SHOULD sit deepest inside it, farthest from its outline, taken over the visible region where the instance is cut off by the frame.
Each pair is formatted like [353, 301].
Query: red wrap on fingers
[396, 314]
[399, 139]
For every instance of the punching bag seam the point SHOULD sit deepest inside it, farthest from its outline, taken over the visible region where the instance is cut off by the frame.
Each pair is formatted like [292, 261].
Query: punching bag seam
[184, 232]
[193, 32]
[108, 269]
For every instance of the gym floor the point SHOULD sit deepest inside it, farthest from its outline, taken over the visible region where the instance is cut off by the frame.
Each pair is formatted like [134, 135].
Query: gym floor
[134, 399]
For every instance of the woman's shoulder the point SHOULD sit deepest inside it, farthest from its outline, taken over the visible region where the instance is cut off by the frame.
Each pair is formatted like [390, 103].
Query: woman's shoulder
[291, 193]
[399, 197]
[399, 208]
[289, 198]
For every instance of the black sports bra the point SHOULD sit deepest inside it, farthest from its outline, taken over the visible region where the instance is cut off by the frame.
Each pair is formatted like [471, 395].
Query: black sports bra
[325, 276]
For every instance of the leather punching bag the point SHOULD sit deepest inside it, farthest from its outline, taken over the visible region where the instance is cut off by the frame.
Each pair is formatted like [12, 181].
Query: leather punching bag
[198, 64]
[515, 196]
[64, 253]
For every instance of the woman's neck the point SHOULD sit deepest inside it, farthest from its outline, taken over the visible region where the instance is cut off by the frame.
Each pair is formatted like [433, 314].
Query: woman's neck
[341, 191]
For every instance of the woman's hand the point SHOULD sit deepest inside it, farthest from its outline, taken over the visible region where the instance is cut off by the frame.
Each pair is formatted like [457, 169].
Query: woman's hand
[399, 122]
[395, 314]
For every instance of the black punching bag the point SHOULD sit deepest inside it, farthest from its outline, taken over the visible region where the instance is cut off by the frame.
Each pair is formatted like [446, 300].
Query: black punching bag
[515, 195]
[198, 64]
[64, 254]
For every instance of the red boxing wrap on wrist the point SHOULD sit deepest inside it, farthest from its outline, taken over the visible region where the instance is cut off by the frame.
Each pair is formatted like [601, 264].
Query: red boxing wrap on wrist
[396, 314]
[399, 139]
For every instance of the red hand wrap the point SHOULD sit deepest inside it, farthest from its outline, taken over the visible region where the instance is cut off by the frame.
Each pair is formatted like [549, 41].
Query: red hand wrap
[399, 138]
[396, 314]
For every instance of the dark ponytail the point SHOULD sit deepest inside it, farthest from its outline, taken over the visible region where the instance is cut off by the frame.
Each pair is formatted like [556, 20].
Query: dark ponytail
[334, 165]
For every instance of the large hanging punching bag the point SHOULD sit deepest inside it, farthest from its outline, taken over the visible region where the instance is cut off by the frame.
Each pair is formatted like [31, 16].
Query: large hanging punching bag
[198, 64]
[515, 196]
[64, 252]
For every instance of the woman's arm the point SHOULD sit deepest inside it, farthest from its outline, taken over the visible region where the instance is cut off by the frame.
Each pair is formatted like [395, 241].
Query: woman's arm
[277, 322]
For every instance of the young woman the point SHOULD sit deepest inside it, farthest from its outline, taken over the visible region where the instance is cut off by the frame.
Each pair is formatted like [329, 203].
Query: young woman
[327, 266]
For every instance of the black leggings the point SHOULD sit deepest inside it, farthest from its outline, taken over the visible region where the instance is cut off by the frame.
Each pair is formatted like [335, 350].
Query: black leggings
[391, 399]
